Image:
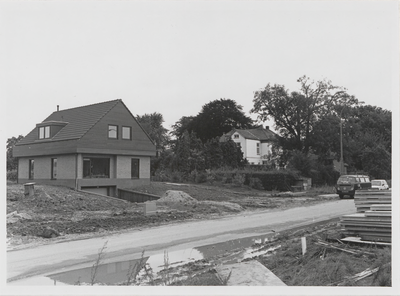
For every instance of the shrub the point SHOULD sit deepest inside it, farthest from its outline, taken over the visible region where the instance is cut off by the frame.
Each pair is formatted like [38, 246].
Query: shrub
[280, 180]
[256, 183]
[201, 177]
[239, 179]
[12, 175]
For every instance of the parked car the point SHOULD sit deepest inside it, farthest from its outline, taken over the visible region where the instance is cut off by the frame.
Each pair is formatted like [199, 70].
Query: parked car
[348, 184]
[379, 185]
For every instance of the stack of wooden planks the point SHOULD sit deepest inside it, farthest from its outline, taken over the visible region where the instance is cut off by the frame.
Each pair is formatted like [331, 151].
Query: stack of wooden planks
[372, 222]
[363, 203]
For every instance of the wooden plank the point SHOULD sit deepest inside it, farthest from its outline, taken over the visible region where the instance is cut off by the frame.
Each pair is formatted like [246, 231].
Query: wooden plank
[366, 224]
[376, 238]
[386, 207]
[378, 213]
[371, 233]
[387, 219]
[354, 239]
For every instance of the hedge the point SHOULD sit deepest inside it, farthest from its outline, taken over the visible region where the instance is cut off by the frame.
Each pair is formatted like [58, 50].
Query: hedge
[273, 180]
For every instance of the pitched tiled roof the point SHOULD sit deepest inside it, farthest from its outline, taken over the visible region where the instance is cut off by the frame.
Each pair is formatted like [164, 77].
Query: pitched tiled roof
[260, 134]
[79, 120]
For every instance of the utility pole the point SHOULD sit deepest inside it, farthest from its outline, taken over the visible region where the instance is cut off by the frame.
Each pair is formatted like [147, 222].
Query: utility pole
[341, 143]
[341, 147]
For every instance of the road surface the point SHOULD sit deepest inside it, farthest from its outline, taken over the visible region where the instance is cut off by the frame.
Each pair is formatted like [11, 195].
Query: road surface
[41, 260]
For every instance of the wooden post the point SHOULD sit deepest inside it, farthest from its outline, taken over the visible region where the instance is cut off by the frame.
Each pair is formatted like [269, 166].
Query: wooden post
[303, 245]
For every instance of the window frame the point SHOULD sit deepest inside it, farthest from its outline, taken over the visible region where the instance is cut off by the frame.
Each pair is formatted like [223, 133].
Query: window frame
[111, 130]
[130, 133]
[258, 151]
[31, 169]
[54, 168]
[136, 176]
[44, 132]
[96, 165]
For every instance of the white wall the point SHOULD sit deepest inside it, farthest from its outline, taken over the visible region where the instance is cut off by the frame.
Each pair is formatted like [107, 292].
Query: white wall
[242, 142]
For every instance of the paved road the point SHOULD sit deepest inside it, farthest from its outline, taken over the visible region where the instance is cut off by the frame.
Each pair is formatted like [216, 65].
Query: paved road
[46, 259]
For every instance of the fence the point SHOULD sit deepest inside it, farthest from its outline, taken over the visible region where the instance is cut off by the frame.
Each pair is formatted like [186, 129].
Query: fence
[134, 196]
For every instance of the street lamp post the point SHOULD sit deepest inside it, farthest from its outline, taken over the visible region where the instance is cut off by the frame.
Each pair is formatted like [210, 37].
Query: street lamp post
[341, 143]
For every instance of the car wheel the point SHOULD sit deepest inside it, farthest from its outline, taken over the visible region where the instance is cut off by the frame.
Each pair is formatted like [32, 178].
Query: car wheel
[341, 196]
[352, 196]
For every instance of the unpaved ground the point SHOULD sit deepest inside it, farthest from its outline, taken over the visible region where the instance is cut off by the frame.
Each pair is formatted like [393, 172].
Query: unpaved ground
[58, 211]
[334, 264]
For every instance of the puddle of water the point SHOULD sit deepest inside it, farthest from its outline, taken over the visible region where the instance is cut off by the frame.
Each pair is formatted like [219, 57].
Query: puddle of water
[116, 273]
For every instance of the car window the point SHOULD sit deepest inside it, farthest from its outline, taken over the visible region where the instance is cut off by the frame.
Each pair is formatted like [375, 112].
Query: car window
[358, 179]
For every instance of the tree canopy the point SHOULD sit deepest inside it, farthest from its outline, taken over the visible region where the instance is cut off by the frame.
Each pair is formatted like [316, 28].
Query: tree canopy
[214, 119]
[153, 125]
[12, 162]
[296, 113]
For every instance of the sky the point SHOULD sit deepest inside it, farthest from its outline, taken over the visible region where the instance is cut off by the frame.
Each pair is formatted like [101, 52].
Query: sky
[173, 57]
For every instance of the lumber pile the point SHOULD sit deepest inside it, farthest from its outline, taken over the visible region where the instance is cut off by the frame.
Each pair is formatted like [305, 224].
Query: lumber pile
[364, 202]
[372, 222]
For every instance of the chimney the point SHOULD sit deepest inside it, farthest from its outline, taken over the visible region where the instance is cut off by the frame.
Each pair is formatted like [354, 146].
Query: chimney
[58, 108]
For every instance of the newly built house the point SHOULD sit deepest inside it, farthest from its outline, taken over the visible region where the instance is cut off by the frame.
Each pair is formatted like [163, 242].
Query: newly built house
[255, 143]
[98, 148]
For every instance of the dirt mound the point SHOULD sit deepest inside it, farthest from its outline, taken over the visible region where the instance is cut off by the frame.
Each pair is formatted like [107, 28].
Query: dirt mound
[176, 196]
[229, 206]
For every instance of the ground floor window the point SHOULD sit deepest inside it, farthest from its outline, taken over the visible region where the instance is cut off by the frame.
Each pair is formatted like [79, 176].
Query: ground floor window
[135, 168]
[96, 167]
[31, 168]
[54, 168]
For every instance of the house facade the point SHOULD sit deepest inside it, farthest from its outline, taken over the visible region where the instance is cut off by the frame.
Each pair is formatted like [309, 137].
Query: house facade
[98, 148]
[256, 144]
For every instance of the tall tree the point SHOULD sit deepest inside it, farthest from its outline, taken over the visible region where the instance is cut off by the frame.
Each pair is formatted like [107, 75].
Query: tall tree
[366, 138]
[296, 113]
[153, 125]
[182, 125]
[12, 162]
[215, 119]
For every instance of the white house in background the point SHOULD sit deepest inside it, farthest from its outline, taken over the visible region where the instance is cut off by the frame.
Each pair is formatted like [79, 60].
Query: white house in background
[256, 144]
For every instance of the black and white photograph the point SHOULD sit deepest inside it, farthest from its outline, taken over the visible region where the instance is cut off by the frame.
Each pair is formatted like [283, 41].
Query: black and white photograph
[200, 147]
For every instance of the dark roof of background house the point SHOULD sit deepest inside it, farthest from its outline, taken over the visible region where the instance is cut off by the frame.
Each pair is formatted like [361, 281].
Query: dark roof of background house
[259, 133]
[80, 120]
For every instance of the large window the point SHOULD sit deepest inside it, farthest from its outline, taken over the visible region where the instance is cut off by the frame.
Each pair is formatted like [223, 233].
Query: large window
[44, 132]
[113, 131]
[31, 168]
[135, 168]
[126, 133]
[96, 168]
[54, 168]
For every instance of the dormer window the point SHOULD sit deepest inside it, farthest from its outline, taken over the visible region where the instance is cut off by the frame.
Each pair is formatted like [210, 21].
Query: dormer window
[44, 132]
[112, 131]
[236, 136]
[49, 129]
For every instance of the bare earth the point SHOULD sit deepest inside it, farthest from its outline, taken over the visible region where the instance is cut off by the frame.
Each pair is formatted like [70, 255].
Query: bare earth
[65, 215]
[58, 211]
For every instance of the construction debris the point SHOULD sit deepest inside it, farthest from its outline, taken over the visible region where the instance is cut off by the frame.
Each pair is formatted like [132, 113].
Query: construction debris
[344, 249]
[363, 203]
[360, 275]
[373, 220]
